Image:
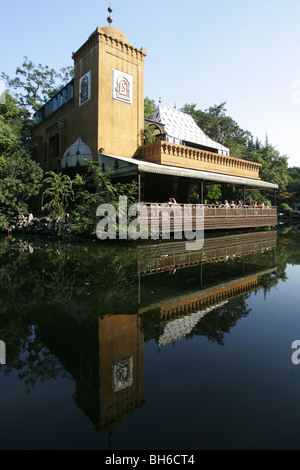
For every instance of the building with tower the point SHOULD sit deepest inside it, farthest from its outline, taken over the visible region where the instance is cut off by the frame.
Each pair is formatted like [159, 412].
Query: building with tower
[101, 109]
[99, 116]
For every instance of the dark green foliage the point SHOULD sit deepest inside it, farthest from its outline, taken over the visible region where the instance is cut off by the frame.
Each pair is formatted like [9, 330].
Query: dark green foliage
[214, 193]
[225, 130]
[217, 125]
[293, 186]
[149, 135]
[15, 126]
[56, 197]
[20, 176]
[286, 209]
[20, 181]
[149, 107]
[94, 189]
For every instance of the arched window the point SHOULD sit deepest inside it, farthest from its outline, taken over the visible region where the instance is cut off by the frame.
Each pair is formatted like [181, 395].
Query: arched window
[124, 88]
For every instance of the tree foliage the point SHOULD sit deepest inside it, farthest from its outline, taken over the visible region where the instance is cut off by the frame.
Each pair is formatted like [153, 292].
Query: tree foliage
[93, 189]
[217, 125]
[149, 107]
[20, 176]
[20, 181]
[223, 129]
[292, 194]
[34, 85]
[285, 209]
[56, 196]
[149, 134]
[15, 125]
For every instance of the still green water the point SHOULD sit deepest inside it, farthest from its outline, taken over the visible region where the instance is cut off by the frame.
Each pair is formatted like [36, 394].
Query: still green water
[128, 346]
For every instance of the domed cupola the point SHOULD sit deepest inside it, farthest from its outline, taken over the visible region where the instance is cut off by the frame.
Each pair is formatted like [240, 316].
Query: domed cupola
[77, 155]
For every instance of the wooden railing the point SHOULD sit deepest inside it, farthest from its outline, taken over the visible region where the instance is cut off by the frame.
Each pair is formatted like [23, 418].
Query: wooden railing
[209, 297]
[169, 256]
[185, 305]
[214, 217]
[166, 153]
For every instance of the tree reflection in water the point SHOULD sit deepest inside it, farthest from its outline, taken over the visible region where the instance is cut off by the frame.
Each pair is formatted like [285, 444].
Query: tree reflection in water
[55, 294]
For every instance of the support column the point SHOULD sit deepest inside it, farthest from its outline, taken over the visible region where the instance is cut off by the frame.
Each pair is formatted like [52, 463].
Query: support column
[201, 275]
[139, 186]
[244, 195]
[175, 190]
[201, 192]
[275, 198]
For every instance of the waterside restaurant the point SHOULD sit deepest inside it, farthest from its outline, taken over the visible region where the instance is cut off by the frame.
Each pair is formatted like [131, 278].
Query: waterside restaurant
[104, 392]
[99, 116]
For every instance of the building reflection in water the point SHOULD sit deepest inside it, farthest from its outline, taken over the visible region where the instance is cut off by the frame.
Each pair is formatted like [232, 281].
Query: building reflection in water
[120, 368]
[157, 292]
[176, 309]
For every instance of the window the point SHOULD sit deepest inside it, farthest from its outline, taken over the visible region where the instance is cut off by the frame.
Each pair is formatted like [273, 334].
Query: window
[34, 154]
[57, 101]
[54, 146]
[45, 152]
[64, 96]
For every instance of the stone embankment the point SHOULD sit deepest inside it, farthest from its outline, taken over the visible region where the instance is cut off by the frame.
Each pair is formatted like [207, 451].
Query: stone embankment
[38, 225]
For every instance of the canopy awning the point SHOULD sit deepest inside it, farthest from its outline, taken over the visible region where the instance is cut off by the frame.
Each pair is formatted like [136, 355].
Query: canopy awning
[121, 166]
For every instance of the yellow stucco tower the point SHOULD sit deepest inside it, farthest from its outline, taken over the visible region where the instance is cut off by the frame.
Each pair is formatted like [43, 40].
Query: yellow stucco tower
[102, 108]
[114, 71]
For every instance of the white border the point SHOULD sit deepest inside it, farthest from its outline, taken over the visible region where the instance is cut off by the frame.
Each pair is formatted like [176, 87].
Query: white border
[117, 74]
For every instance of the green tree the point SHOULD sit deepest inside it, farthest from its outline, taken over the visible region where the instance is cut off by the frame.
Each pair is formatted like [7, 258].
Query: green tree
[219, 127]
[149, 107]
[274, 165]
[223, 129]
[94, 189]
[286, 209]
[15, 125]
[34, 85]
[20, 176]
[214, 193]
[20, 181]
[57, 196]
[293, 187]
[149, 134]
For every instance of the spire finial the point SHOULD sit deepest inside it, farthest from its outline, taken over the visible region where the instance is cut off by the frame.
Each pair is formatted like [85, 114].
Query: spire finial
[109, 18]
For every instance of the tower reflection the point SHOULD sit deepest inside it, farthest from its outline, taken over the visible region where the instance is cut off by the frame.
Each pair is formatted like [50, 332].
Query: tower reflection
[178, 290]
[94, 309]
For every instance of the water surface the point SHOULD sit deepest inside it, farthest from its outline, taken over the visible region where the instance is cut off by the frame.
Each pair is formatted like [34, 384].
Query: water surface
[127, 346]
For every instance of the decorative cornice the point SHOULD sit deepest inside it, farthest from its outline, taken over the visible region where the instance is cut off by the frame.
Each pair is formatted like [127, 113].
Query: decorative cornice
[167, 153]
[100, 36]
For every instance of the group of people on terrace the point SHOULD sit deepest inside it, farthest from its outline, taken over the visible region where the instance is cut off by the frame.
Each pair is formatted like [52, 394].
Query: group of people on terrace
[227, 205]
[237, 204]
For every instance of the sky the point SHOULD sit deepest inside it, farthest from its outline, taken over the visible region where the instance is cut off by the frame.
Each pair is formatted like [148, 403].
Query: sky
[242, 52]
